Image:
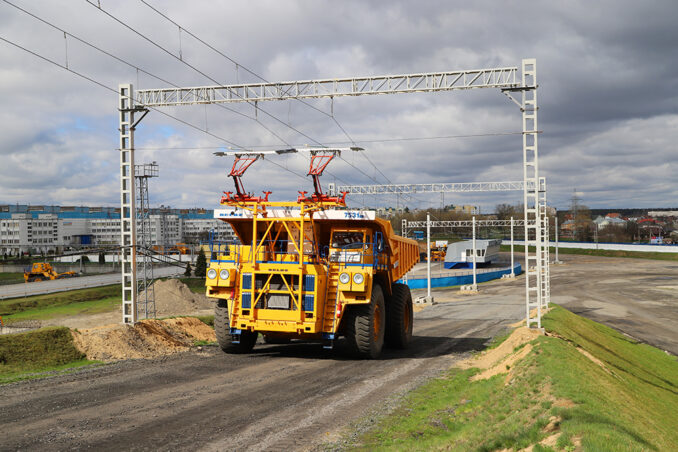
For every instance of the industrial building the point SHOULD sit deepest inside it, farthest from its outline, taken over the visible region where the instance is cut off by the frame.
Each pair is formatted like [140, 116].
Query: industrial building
[45, 229]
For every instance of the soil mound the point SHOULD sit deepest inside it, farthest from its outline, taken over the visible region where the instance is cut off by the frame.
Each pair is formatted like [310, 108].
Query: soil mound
[501, 359]
[172, 297]
[146, 339]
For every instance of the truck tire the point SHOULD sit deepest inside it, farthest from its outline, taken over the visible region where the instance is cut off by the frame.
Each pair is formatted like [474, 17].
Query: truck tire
[399, 316]
[365, 326]
[223, 332]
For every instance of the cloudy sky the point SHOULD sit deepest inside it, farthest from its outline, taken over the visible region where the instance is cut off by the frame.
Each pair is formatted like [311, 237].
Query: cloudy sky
[608, 97]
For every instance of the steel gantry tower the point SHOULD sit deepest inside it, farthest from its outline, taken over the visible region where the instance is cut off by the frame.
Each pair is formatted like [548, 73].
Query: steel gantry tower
[505, 79]
[146, 298]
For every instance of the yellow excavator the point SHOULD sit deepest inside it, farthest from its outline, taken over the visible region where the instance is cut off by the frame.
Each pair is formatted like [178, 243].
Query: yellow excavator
[43, 271]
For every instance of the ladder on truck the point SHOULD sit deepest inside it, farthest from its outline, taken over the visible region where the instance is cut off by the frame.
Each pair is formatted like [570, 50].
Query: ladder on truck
[331, 304]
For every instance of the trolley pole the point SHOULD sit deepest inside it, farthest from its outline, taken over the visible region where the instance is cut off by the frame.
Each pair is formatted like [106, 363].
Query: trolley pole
[428, 257]
[513, 274]
[475, 283]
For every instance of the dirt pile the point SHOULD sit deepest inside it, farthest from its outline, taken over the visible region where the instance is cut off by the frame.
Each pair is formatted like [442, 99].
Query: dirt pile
[501, 359]
[146, 339]
[172, 297]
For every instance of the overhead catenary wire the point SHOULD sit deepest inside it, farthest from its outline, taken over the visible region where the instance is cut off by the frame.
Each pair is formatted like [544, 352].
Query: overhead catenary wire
[239, 65]
[168, 52]
[372, 140]
[134, 66]
[103, 85]
[204, 74]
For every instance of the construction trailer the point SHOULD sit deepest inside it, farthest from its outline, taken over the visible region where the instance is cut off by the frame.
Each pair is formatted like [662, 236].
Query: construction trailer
[309, 269]
[460, 254]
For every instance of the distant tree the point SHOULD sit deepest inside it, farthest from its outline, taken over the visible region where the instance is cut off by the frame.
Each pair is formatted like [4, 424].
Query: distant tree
[188, 270]
[201, 264]
[506, 211]
[102, 258]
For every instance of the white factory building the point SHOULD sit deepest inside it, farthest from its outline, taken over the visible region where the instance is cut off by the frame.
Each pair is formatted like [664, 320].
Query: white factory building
[47, 229]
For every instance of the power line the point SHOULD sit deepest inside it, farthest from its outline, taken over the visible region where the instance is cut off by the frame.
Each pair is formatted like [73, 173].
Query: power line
[374, 140]
[98, 83]
[236, 63]
[138, 33]
[180, 27]
[105, 52]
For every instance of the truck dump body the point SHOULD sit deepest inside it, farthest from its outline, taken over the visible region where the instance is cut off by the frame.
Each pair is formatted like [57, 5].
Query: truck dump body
[304, 270]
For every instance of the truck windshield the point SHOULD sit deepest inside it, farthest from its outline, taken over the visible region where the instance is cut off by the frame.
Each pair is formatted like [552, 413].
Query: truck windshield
[347, 240]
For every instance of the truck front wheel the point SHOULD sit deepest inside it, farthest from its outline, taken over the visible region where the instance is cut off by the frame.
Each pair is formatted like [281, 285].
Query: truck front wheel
[399, 317]
[365, 326]
[223, 331]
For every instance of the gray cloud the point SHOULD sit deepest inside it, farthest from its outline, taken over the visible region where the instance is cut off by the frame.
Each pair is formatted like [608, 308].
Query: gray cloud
[607, 75]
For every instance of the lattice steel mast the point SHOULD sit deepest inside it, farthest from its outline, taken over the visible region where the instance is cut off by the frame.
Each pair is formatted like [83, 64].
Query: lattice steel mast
[146, 299]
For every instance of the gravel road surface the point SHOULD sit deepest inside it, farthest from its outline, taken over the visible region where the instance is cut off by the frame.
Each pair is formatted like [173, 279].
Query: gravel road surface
[280, 397]
[80, 282]
[297, 396]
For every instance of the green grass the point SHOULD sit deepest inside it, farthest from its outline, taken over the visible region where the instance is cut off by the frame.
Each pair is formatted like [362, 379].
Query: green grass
[633, 407]
[206, 319]
[73, 302]
[11, 278]
[31, 354]
[602, 253]
[197, 285]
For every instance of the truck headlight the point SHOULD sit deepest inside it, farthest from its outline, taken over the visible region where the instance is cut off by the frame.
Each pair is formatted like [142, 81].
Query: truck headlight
[211, 273]
[358, 278]
[344, 278]
[224, 274]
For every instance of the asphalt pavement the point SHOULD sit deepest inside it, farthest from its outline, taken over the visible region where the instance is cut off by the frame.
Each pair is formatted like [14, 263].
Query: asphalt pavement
[80, 282]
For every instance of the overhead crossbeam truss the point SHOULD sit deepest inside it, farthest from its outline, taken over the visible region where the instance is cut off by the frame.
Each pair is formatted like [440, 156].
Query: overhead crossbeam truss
[450, 187]
[462, 223]
[336, 87]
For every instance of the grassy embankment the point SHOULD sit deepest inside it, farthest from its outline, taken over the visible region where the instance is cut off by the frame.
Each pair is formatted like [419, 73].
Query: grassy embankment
[73, 302]
[625, 402]
[38, 353]
[602, 253]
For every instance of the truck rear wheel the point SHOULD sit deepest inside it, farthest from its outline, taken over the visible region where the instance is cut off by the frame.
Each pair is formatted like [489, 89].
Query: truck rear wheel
[223, 331]
[399, 317]
[365, 326]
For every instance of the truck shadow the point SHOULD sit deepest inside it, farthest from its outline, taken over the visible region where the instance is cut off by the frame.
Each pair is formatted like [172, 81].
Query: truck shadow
[421, 347]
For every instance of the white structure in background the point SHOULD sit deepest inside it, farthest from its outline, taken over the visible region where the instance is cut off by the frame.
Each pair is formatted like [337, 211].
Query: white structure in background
[602, 222]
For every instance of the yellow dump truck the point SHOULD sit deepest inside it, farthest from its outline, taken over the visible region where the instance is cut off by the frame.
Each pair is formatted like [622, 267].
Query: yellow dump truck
[310, 270]
[43, 271]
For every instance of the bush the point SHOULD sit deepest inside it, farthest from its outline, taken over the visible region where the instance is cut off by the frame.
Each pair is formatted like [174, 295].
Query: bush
[188, 270]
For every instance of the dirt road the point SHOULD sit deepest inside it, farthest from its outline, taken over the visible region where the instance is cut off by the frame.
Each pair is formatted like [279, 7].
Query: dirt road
[294, 397]
[283, 397]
